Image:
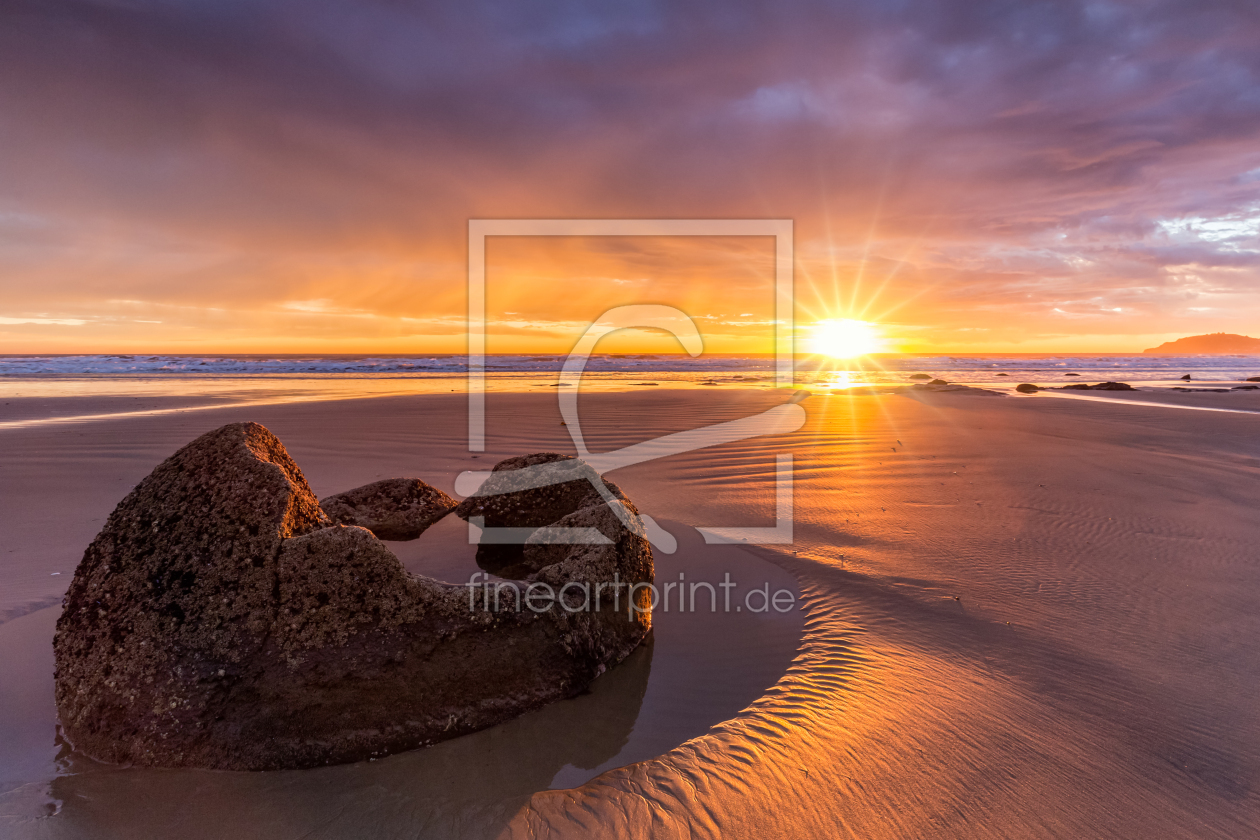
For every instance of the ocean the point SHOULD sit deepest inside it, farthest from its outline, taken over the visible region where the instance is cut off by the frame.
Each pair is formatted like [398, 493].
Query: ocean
[165, 374]
[881, 369]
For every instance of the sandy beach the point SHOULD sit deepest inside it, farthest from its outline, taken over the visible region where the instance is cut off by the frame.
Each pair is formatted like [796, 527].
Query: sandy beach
[1020, 617]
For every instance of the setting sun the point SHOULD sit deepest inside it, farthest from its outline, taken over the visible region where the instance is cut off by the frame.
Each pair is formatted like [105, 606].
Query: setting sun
[845, 338]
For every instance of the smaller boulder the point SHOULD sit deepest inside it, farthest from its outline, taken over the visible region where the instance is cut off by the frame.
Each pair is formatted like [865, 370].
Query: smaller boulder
[919, 376]
[393, 509]
[1025, 388]
[1003, 374]
[938, 382]
[531, 492]
[1253, 378]
[1185, 378]
[1071, 374]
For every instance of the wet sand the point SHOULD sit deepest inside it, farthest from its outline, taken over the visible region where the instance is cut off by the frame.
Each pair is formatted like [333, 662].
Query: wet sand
[1023, 617]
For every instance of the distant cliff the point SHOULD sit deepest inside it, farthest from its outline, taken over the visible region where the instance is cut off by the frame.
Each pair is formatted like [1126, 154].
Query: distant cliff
[1214, 343]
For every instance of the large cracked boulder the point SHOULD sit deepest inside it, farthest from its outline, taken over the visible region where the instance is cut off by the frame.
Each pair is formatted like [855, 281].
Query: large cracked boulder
[393, 509]
[220, 621]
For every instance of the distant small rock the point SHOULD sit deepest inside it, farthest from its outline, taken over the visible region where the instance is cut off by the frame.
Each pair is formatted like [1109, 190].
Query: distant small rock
[1101, 386]
[393, 509]
[920, 376]
[1026, 388]
[1185, 378]
[1253, 378]
[1245, 388]
[955, 388]
[938, 382]
[1071, 374]
[1003, 374]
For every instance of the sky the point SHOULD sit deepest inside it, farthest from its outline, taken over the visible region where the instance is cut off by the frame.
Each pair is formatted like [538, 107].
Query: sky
[974, 176]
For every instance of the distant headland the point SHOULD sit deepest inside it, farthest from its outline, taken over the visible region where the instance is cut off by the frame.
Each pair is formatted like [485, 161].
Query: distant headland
[1214, 343]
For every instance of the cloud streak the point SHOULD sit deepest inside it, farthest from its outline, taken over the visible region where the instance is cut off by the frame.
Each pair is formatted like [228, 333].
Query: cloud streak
[984, 175]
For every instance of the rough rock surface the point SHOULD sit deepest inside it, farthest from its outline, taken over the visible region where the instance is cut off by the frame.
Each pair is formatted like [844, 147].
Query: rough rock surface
[218, 621]
[393, 509]
[507, 500]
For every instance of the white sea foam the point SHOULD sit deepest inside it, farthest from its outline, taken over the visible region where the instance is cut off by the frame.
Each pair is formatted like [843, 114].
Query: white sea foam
[1039, 369]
